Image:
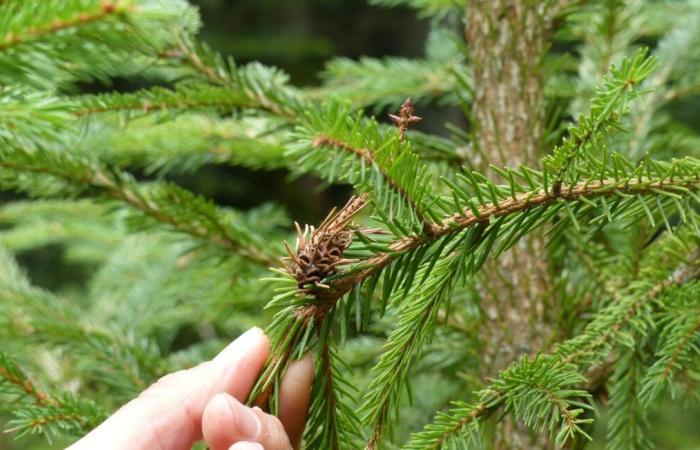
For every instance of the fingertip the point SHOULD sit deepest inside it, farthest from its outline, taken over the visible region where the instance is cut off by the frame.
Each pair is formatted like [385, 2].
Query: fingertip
[273, 435]
[241, 362]
[254, 340]
[226, 420]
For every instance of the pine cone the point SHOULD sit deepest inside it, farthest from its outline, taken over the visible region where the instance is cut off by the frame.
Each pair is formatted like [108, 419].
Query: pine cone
[320, 250]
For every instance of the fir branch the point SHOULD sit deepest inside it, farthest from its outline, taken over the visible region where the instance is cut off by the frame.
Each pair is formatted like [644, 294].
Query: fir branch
[460, 426]
[672, 53]
[370, 157]
[81, 13]
[385, 82]
[529, 384]
[601, 331]
[50, 44]
[417, 320]
[442, 75]
[252, 86]
[46, 319]
[189, 142]
[183, 97]
[10, 373]
[683, 346]
[607, 106]
[44, 414]
[29, 117]
[193, 54]
[407, 340]
[365, 154]
[87, 230]
[332, 423]
[65, 415]
[445, 433]
[181, 210]
[680, 325]
[510, 206]
[213, 227]
[116, 361]
[628, 419]
[266, 86]
[538, 391]
[287, 334]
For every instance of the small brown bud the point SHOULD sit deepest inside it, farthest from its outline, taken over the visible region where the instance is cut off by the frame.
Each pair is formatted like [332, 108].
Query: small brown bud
[405, 118]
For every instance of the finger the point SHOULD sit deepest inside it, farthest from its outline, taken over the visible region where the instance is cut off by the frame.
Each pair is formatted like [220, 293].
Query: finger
[294, 398]
[227, 421]
[169, 413]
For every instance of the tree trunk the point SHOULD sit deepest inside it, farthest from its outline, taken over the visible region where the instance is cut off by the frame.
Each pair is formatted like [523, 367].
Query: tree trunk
[508, 40]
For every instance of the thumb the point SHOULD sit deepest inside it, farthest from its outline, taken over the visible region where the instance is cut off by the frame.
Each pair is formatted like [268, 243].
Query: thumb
[226, 420]
[169, 413]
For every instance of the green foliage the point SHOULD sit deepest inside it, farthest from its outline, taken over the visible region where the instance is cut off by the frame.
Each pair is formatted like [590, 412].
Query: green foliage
[63, 414]
[607, 105]
[677, 345]
[333, 423]
[628, 423]
[52, 45]
[442, 75]
[460, 427]
[170, 276]
[384, 82]
[340, 146]
[189, 142]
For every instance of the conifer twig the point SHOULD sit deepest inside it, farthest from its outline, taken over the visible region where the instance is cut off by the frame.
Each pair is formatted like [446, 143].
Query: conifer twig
[222, 238]
[222, 76]
[99, 178]
[682, 274]
[365, 154]
[106, 9]
[522, 202]
[161, 99]
[12, 374]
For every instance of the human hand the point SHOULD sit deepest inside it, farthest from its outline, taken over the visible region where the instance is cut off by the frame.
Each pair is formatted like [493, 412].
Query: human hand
[205, 403]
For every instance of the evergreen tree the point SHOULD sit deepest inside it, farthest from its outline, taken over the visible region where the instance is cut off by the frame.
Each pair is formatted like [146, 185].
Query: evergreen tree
[521, 273]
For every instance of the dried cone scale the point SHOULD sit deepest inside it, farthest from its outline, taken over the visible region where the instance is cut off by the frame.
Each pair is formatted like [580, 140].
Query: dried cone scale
[320, 250]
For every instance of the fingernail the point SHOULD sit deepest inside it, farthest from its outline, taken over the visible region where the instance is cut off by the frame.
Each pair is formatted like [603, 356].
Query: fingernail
[248, 422]
[246, 446]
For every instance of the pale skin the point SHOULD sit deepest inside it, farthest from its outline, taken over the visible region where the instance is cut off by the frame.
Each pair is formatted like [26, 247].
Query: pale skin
[205, 403]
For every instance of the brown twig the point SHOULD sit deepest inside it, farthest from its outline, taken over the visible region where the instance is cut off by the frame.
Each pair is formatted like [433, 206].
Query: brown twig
[27, 387]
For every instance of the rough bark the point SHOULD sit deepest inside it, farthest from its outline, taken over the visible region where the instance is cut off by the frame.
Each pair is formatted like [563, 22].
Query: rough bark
[508, 41]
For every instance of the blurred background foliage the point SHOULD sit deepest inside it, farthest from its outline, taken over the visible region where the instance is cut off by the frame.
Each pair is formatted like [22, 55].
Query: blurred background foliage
[300, 37]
